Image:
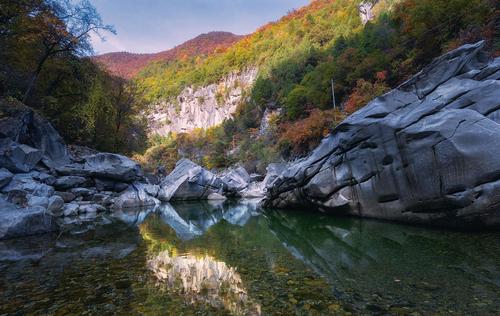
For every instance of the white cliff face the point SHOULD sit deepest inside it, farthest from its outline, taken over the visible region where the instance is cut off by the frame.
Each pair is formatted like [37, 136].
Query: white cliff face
[265, 124]
[201, 107]
[366, 10]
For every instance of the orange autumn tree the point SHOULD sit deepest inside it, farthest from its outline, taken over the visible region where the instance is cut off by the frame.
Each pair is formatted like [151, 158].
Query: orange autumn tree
[366, 91]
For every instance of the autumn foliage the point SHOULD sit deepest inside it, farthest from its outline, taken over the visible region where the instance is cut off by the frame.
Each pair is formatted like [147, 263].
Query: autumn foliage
[299, 137]
[127, 65]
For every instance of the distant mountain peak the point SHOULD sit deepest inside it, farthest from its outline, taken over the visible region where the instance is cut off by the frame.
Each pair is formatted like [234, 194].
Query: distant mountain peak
[127, 65]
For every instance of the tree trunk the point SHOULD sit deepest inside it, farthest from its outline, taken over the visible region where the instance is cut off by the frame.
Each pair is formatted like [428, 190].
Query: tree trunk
[34, 78]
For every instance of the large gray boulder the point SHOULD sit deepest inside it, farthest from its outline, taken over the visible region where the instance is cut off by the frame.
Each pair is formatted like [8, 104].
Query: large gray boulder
[113, 166]
[426, 152]
[24, 126]
[235, 180]
[18, 157]
[19, 222]
[27, 182]
[105, 166]
[138, 195]
[189, 181]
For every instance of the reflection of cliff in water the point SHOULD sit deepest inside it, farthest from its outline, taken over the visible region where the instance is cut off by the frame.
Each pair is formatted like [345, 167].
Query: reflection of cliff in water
[204, 280]
[400, 263]
[192, 219]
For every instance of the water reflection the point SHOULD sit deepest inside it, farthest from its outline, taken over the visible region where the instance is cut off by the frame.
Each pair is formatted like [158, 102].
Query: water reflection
[192, 219]
[389, 265]
[216, 258]
[225, 256]
[204, 280]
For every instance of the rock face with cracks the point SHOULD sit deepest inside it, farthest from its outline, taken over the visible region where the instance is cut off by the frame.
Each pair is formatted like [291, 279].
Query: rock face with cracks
[426, 152]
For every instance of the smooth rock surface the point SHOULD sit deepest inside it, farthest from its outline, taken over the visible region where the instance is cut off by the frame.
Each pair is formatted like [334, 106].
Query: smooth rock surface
[426, 152]
[136, 196]
[113, 166]
[235, 180]
[189, 181]
[16, 222]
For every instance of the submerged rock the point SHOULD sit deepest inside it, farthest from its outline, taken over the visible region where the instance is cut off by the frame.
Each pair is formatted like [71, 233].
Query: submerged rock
[426, 152]
[189, 181]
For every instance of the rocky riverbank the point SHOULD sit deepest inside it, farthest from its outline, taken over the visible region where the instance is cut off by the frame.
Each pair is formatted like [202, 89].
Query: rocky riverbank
[45, 185]
[423, 153]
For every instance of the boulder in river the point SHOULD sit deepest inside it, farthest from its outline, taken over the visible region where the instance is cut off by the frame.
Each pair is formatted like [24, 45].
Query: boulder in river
[258, 189]
[18, 222]
[189, 181]
[235, 180]
[136, 196]
[426, 152]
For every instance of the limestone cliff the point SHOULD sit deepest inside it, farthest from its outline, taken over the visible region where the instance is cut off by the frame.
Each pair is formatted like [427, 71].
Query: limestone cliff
[201, 107]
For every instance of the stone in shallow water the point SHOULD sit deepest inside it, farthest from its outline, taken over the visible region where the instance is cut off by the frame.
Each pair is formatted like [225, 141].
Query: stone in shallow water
[235, 180]
[38, 201]
[19, 222]
[189, 181]
[82, 192]
[110, 185]
[66, 196]
[70, 209]
[26, 182]
[135, 196]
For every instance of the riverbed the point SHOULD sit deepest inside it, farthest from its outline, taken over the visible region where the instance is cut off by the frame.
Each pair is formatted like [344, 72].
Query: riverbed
[217, 258]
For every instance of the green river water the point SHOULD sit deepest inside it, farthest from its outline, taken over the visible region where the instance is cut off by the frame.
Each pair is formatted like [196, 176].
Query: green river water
[232, 258]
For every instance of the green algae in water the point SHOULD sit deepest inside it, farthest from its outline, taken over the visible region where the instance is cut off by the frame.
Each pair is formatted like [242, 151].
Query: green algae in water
[203, 259]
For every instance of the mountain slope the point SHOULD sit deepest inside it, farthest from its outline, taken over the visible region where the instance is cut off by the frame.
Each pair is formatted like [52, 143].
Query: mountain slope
[287, 110]
[127, 65]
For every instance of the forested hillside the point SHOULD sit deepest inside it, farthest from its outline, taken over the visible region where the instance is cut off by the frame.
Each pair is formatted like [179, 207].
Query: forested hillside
[43, 49]
[298, 57]
[127, 65]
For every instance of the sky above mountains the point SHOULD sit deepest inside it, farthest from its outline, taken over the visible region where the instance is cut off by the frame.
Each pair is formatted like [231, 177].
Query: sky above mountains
[149, 26]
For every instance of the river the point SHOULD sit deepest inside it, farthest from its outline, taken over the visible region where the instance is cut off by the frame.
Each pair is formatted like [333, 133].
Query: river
[216, 258]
